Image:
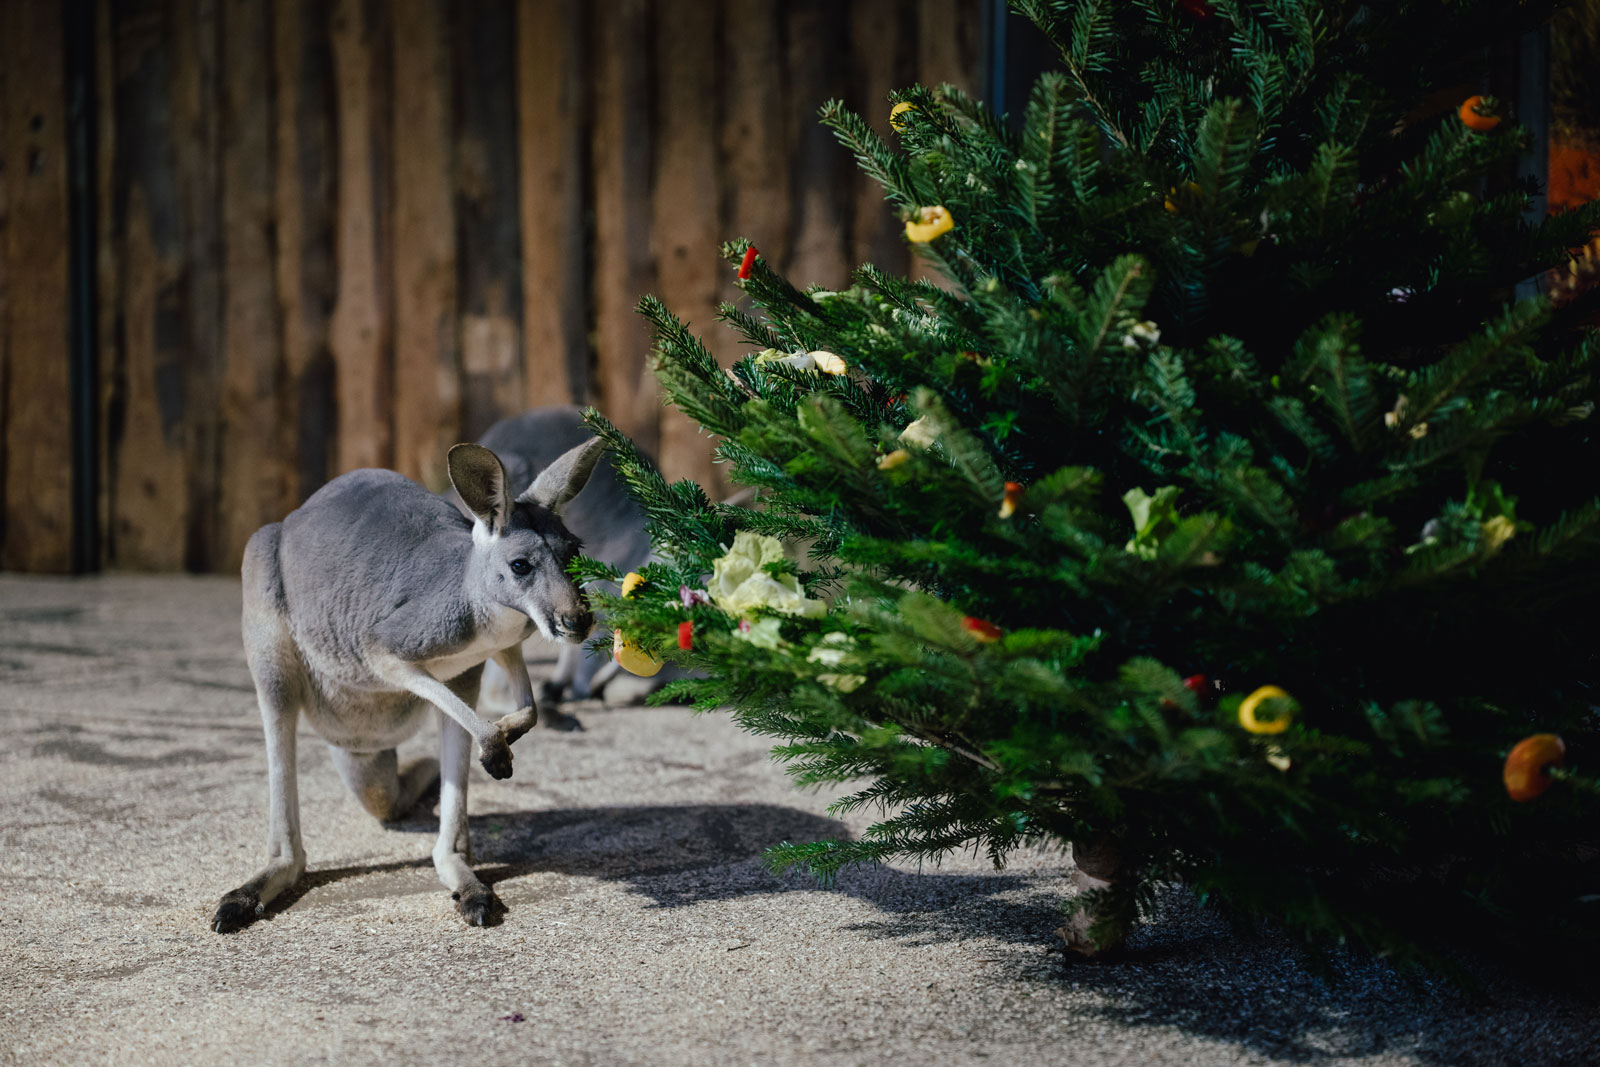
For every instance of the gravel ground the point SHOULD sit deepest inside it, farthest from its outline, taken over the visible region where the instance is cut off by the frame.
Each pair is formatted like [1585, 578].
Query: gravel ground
[642, 928]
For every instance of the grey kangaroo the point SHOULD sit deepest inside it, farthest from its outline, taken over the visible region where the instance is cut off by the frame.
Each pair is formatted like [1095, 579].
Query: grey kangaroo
[376, 599]
[602, 516]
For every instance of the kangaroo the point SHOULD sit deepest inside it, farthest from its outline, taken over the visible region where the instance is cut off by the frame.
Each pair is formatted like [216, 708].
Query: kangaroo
[602, 516]
[375, 599]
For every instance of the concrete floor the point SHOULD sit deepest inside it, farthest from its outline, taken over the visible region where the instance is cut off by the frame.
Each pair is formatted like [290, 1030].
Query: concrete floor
[642, 928]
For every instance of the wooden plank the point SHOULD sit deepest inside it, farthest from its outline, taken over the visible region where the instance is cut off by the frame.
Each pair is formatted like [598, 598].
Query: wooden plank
[195, 83]
[107, 265]
[7, 129]
[816, 61]
[755, 145]
[684, 204]
[427, 388]
[621, 145]
[551, 109]
[33, 210]
[358, 333]
[949, 43]
[302, 56]
[883, 57]
[148, 461]
[255, 471]
[487, 201]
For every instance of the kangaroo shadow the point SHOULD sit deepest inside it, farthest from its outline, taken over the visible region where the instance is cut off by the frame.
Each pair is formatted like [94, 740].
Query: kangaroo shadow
[327, 876]
[682, 855]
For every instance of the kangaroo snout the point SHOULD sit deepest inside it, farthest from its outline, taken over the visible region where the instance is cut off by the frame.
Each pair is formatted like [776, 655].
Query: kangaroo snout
[575, 626]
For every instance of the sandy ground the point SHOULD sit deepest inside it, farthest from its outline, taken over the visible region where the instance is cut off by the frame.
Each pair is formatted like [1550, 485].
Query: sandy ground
[642, 928]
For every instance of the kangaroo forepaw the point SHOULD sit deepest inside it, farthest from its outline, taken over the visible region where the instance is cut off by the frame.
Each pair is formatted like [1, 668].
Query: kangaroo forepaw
[477, 905]
[236, 911]
[517, 723]
[495, 755]
[552, 718]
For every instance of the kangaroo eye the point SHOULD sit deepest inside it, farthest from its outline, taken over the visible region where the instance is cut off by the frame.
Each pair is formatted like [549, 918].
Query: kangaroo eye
[520, 567]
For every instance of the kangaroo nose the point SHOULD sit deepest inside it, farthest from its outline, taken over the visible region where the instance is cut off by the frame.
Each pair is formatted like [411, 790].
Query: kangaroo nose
[576, 626]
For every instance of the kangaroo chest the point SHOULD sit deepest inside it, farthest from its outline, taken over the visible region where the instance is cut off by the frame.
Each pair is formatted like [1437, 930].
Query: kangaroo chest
[506, 628]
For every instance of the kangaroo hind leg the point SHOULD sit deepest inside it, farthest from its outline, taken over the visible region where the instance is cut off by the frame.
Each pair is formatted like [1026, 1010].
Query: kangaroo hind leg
[280, 685]
[387, 790]
[286, 855]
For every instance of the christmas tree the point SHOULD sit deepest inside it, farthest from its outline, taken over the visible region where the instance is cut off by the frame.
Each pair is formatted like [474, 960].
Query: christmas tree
[1223, 511]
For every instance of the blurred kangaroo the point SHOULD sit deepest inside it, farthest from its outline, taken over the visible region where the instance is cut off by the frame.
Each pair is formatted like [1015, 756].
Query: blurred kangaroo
[376, 599]
[602, 516]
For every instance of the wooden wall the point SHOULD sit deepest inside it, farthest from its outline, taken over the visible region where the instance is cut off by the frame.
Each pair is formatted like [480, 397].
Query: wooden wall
[35, 427]
[346, 233]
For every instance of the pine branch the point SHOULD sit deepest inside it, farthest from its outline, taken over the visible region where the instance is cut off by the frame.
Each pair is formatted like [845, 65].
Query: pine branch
[874, 157]
[1119, 295]
[751, 328]
[1507, 338]
[1082, 51]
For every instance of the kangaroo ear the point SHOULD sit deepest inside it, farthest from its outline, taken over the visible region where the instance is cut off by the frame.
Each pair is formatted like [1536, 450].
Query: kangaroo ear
[481, 482]
[566, 477]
